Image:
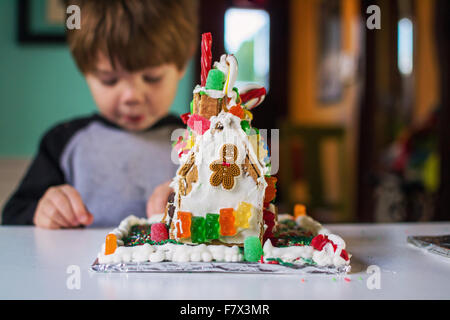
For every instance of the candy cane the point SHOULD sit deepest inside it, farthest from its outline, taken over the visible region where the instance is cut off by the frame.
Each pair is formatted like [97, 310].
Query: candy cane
[252, 95]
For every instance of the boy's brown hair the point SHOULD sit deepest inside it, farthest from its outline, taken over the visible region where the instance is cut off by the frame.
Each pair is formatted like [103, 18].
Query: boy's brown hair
[135, 34]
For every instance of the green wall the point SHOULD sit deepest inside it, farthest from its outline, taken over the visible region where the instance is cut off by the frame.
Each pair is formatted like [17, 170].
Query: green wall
[40, 86]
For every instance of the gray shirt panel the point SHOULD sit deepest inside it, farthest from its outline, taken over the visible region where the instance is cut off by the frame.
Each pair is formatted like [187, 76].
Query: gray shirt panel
[116, 171]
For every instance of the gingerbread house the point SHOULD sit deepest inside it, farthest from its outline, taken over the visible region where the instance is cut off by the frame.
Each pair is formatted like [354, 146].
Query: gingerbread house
[223, 188]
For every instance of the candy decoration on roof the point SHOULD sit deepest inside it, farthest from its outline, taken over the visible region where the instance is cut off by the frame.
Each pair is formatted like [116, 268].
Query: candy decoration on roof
[206, 58]
[237, 111]
[185, 117]
[252, 95]
[215, 80]
[198, 124]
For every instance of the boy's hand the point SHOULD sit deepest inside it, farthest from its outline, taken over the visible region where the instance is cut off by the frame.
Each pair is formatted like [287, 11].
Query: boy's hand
[158, 200]
[61, 207]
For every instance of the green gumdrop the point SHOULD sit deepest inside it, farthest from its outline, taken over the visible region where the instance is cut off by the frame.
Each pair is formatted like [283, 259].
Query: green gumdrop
[252, 249]
[192, 106]
[215, 80]
[198, 230]
[245, 125]
[212, 226]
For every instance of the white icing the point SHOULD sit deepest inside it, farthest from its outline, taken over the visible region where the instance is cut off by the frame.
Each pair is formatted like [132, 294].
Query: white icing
[216, 94]
[287, 254]
[172, 252]
[309, 223]
[207, 253]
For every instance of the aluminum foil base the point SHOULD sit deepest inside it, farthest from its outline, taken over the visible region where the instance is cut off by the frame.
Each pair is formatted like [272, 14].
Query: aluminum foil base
[434, 244]
[227, 267]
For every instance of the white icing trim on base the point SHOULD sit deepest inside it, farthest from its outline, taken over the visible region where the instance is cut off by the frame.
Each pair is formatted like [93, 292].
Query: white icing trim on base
[207, 253]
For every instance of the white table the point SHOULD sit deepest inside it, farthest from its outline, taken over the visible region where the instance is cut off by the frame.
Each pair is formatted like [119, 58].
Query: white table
[34, 265]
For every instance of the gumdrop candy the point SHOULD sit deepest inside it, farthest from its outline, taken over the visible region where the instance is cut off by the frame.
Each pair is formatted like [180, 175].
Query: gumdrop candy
[158, 232]
[243, 214]
[110, 244]
[198, 124]
[299, 210]
[252, 249]
[184, 224]
[226, 220]
[212, 226]
[237, 111]
[344, 255]
[215, 80]
[185, 117]
[269, 221]
[319, 241]
[198, 234]
[245, 125]
[271, 190]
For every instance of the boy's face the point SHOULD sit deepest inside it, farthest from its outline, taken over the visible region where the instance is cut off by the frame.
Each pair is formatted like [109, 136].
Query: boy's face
[133, 101]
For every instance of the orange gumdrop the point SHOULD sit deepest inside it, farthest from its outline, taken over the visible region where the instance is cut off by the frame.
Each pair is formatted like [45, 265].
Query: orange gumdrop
[226, 221]
[110, 244]
[237, 111]
[299, 210]
[271, 190]
[184, 231]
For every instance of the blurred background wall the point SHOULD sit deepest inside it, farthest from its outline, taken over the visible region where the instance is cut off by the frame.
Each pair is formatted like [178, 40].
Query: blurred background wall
[356, 106]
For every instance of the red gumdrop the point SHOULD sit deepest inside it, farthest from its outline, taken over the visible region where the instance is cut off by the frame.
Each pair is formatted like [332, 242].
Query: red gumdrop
[269, 221]
[344, 255]
[319, 241]
[185, 117]
[158, 232]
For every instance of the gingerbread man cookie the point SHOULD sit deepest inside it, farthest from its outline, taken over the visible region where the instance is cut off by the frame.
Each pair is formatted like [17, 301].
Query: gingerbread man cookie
[225, 169]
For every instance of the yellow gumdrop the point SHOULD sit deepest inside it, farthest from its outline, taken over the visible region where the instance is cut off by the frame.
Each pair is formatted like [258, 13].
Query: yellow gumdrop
[299, 210]
[110, 244]
[243, 214]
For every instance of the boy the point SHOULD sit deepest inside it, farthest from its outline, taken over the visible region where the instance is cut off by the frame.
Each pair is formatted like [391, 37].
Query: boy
[97, 170]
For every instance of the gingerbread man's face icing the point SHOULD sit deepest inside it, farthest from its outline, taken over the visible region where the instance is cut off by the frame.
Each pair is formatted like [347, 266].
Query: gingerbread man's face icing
[225, 169]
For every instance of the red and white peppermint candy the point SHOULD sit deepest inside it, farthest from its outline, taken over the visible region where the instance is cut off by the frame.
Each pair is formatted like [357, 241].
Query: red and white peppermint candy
[252, 95]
